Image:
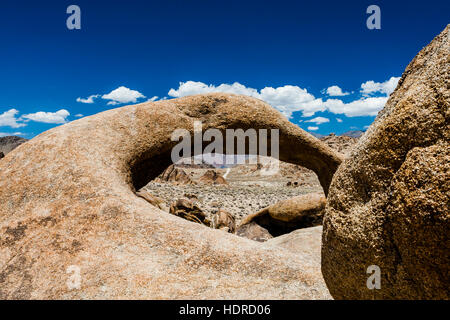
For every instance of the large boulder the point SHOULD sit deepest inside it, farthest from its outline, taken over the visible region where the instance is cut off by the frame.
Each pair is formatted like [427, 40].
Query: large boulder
[389, 202]
[69, 211]
[253, 231]
[302, 211]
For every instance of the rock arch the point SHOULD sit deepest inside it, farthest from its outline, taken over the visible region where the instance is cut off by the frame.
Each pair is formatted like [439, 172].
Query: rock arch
[224, 111]
[68, 199]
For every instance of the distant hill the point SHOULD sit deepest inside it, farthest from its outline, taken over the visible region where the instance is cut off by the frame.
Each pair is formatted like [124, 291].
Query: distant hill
[9, 143]
[317, 135]
[353, 134]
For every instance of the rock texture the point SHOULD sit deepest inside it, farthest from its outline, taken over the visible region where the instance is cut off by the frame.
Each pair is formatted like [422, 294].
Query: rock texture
[152, 199]
[253, 231]
[2, 155]
[302, 241]
[212, 177]
[224, 219]
[69, 203]
[9, 143]
[174, 175]
[186, 209]
[342, 143]
[285, 216]
[389, 201]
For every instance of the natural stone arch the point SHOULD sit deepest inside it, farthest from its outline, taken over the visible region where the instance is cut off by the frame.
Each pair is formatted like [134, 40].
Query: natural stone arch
[223, 111]
[68, 198]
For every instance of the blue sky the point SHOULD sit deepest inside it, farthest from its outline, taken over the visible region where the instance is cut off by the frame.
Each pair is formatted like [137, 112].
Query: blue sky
[285, 52]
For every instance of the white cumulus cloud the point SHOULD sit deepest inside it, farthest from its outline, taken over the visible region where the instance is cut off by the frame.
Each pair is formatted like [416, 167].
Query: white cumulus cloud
[339, 120]
[319, 120]
[57, 117]
[89, 99]
[313, 128]
[190, 88]
[154, 98]
[122, 95]
[361, 107]
[5, 134]
[286, 99]
[336, 91]
[387, 87]
[8, 119]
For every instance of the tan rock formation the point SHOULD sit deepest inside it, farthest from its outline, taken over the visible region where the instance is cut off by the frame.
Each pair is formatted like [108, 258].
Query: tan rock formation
[9, 143]
[68, 199]
[224, 219]
[186, 209]
[212, 177]
[302, 241]
[174, 175]
[389, 202]
[152, 199]
[285, 216]
[253, 231]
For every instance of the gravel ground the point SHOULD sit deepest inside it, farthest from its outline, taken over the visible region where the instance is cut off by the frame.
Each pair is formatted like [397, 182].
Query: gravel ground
[238, 199]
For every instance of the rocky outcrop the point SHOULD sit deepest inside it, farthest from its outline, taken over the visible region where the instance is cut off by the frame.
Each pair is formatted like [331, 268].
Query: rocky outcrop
[174, 175]
[9, 143]
[186, 209]
[342, 143]
[285, 216]
[71, 206]
[212, 177]
[153, 200]
[253, 231]
[302, 241]
[223, 219]
[389, 202]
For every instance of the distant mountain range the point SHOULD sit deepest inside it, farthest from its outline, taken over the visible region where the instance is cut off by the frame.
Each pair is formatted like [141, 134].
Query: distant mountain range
[9, 143]
[353, 134]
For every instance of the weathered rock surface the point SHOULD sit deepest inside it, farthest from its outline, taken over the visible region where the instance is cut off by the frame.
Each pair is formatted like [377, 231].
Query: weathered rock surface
[224, 219]
[285, 216]
[305, 241]
[342, 143]
[186, 209]
[152, 199]
[174, 175]
[389, 201]
[68, 199]
[253, 231]
[212, 177]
